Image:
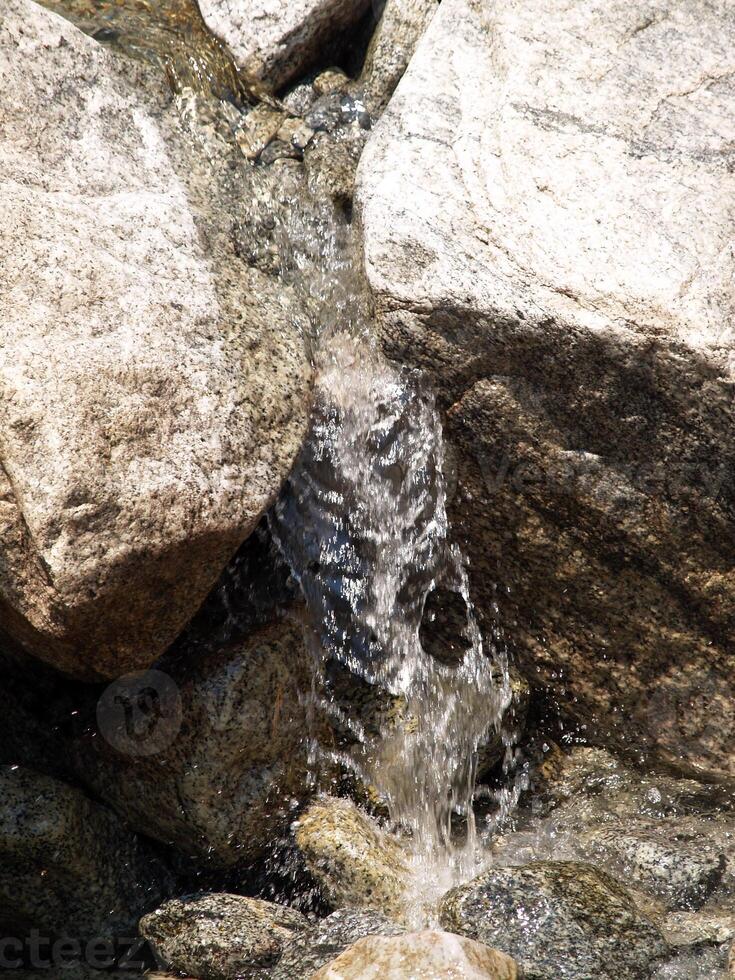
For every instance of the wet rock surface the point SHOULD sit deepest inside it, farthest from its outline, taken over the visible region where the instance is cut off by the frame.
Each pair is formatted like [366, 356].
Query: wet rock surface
[668, 840]
[155, 387]
[355, 862]
[671, 840]
[220, 772]
[584, 355]
[559, 920]
[314, 948]
[713, 927]
[68, 866]
[219, 936]
[420, 956]
[662, 857]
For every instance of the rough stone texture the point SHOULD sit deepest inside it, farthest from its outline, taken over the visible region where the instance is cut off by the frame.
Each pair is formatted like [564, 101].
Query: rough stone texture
[312, 949]
[423, 955]
[690, 929]
[560, 920]
[356, 864]
[399, 30]
[68, 866]
[547, 214]
[670, 840]
[223, 785]
[675, 863]
[274, 40]
[154, 390]
[608, 785]
[220, 936]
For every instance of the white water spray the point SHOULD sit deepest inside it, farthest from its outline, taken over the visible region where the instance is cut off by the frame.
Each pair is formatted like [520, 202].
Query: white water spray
[368, 502]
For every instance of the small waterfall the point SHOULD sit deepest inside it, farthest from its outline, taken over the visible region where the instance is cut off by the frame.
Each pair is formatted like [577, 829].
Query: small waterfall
[363, 524]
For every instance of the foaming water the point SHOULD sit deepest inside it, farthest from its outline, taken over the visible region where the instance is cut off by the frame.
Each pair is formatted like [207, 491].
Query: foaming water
[363, 524]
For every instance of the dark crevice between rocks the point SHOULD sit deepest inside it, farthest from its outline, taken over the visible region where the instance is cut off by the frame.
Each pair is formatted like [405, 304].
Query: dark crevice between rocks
[443, 630]
[255, 587]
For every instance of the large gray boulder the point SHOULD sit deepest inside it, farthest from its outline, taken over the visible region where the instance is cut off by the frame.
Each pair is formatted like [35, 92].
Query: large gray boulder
[68, 866]
[274, 40]
[547, 214]
[559, 919]
[154, 389]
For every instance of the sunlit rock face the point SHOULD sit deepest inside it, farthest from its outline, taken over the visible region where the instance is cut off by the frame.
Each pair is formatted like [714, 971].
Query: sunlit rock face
[355, 863]
[420, 956]
[154, 388]
[274, 41]
[314, 948]
[547, 214]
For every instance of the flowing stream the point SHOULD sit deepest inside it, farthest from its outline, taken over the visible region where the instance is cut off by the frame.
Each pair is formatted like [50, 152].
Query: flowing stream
[362, 522]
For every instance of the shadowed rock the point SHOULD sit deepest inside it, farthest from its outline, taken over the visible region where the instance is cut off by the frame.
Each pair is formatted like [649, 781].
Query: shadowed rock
[547, 224]
[68, 866]
[220, 936]
[273, 42]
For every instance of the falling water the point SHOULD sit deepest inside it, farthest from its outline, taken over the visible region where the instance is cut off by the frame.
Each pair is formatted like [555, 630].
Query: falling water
[362, 522]
[364, 525]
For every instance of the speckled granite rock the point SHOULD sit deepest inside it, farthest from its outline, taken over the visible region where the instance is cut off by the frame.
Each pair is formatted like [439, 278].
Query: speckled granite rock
[547, 230]
[68, 866]
[274, 40]
[154, 387]
[220, 936]
[672, 841]
[394, 41]
[713, 926]
[424, 955]
[561, 920]
[666, 858]
[703, 963]
[599, 777]
[314, 948]
[357, 864]
[221, 786]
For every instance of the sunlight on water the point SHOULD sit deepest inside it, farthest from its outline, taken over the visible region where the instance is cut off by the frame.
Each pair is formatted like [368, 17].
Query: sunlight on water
[362, 521]
[369, 493]
[167, 33]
